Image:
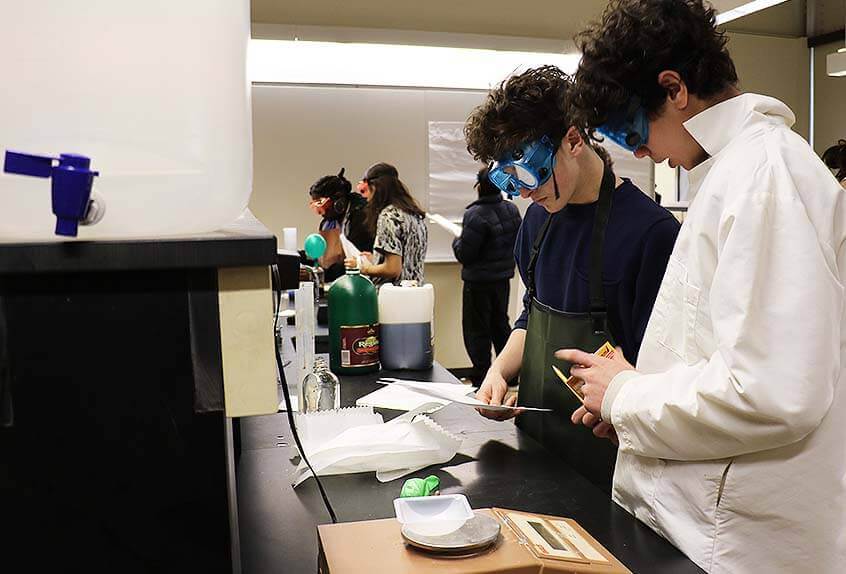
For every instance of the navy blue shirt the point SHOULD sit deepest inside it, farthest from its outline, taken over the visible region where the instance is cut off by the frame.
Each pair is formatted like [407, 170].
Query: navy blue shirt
[638, 241]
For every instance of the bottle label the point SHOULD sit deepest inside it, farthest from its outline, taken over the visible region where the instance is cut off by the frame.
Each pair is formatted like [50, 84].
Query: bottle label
[359, 346]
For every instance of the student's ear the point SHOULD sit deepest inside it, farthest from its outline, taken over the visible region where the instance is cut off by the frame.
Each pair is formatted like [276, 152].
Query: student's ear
[575, 142]
[677, 95]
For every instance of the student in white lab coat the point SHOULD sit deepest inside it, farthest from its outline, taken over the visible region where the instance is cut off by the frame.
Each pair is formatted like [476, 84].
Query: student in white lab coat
[732, 428]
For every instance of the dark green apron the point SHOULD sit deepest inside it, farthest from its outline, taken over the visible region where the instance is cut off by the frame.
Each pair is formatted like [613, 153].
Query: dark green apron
[549, 330]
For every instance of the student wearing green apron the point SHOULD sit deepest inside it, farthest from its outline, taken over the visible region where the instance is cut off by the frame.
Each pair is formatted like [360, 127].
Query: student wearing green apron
[591, 252]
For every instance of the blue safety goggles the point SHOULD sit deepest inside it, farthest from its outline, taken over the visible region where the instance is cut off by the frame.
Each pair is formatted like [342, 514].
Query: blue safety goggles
[628, 129]
[529, 167]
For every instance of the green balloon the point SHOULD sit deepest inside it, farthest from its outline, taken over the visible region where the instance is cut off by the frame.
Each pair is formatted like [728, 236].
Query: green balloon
[315, 246]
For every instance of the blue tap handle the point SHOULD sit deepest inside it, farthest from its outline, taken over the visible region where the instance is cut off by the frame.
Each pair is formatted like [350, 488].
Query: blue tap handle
[28, 164]
[71, 181]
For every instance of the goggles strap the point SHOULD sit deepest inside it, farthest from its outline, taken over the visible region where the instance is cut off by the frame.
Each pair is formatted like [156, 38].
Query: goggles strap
[555, 185]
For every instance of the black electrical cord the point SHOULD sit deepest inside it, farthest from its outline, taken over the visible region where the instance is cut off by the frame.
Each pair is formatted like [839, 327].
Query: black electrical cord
[287, 395]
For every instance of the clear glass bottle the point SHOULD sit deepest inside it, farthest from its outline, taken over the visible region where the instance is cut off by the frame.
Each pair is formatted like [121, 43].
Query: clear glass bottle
[320, 389]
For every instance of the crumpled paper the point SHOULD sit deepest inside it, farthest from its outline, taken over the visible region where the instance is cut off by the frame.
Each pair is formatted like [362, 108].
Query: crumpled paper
[393, 449]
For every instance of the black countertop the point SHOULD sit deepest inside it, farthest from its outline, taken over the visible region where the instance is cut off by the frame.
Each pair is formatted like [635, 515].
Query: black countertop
[244, 242]
[497, 465]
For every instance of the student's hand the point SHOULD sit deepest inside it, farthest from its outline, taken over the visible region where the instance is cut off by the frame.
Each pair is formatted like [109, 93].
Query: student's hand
[364, 266]
[597, 373]
[492, 392]
[362, 263]
[600, 428]
[365, 262]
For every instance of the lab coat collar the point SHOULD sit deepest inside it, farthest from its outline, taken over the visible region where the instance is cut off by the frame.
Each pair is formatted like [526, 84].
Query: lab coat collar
[715, 127]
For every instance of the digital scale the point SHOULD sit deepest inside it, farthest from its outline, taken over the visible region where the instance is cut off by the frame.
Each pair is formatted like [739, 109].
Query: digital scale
[494, 540]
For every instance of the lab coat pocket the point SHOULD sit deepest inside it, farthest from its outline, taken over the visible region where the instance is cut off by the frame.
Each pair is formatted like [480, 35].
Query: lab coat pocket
[675, 312]
[722, 515]
[721, 488]
[687, 503]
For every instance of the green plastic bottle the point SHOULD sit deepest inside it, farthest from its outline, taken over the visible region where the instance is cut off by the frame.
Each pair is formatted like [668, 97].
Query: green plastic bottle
[353, 325]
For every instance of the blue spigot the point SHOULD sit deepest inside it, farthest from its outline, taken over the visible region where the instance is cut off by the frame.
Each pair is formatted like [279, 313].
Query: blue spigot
[71, 184]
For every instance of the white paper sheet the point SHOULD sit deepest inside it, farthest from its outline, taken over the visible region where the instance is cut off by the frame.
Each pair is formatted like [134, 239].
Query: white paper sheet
[445, 223]
[404, 445]
[350, 250]
[453, 393]
[402, 398]
[320, 427]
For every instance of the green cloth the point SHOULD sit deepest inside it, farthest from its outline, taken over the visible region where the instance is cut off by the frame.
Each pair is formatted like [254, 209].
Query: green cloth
[420, 486]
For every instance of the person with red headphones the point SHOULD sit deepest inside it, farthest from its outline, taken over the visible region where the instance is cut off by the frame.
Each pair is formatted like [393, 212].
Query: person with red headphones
[343, 212]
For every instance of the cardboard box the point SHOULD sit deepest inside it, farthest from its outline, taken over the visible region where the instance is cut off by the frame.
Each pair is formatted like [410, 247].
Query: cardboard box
[377, 546]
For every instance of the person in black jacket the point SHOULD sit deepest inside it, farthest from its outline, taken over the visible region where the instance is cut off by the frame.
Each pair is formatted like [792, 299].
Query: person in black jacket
[486, 251]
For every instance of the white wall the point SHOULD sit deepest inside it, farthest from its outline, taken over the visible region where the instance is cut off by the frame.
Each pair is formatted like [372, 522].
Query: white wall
[777, 67]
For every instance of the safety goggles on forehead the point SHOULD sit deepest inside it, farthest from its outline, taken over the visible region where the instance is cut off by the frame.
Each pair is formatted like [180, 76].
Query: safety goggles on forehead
[528, 167]
[628, 128]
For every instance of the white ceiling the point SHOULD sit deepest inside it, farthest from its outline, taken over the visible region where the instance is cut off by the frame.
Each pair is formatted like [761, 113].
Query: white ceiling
[523, 19]
[787, 19]
[553, 19]
[559, 19]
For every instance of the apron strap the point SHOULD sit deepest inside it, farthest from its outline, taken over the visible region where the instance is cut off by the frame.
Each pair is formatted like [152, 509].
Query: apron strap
[600, 222]
[533, 258]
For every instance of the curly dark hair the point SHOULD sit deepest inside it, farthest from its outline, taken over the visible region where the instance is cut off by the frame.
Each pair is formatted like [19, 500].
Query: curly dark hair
[330, 186]
[835, 158]
[634, 41]
[523, 108]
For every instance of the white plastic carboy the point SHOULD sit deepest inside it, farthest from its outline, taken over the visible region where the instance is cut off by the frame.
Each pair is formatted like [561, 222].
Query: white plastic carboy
[147, 102]
[406, 314]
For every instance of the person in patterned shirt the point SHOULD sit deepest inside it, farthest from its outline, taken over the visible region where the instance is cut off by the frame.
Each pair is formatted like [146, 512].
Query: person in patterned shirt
[399, 226]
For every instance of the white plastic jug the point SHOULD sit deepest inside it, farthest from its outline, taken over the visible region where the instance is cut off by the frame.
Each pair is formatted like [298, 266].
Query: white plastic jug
[405, 326]
[155, 92]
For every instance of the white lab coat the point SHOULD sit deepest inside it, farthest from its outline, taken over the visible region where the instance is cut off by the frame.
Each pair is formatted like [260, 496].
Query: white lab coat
[733, 434]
